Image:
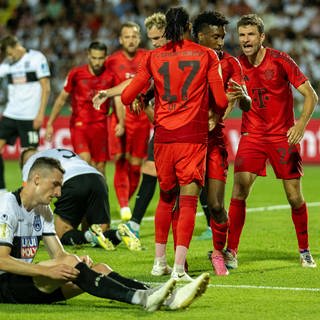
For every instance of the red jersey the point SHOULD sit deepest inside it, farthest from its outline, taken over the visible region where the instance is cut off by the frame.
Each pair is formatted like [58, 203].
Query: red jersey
[82, 85]
[269, 86]
[181, 73]
[125, 68]
[231, 68]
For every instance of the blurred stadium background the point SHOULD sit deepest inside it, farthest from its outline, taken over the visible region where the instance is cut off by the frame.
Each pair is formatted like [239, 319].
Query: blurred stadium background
[62, 30]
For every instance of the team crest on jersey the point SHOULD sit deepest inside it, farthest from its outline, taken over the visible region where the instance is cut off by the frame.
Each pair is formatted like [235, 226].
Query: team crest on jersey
[268, 74]
[37, 223]
[29, 247]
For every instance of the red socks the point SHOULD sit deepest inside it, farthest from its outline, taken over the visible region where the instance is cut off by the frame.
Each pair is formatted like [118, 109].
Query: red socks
[134, 178]
[237, 215]
[300, 221]
[121, 182]
[187, 214]
[219, 232]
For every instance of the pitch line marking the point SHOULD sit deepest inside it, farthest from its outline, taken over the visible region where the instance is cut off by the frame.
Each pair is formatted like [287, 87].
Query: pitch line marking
[257, 209]
[262, 287]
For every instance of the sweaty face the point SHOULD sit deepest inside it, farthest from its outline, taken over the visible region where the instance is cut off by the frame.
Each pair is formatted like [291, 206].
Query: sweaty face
[130, 39]
[156, 37]
[49, 185]
[250, 39]
[96, 60]
[213, 37]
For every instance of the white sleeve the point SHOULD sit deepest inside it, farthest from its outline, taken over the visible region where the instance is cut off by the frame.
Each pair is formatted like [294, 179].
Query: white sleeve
[8, 223]
[42, 66]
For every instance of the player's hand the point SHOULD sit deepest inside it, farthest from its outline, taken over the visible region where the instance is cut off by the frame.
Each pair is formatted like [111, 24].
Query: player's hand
[295, 133]
[99, 99]
[63, 272]
[213, 119]
[119, 130]
[137, 105]
[87, 260]
[49, 133]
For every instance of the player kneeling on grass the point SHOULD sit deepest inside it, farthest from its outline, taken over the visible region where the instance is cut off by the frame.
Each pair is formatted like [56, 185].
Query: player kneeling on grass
[84, 197]
[26, 217]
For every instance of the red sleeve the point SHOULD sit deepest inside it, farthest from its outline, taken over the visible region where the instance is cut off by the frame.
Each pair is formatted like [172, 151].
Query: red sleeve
[138, 83]
[216, 83]
[237, 73]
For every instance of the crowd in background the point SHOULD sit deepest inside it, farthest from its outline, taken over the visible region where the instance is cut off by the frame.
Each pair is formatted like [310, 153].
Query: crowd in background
[62, 30]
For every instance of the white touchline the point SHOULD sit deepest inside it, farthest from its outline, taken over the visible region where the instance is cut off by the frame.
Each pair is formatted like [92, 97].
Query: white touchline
[243, 286]
[258, 209]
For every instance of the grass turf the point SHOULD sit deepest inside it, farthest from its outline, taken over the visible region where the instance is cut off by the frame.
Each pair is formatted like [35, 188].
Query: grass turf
[269, 283]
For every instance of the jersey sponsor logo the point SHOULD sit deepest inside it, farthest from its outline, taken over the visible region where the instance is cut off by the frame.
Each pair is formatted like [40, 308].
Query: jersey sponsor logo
[19, 79]
[37, 223]
[29, 247]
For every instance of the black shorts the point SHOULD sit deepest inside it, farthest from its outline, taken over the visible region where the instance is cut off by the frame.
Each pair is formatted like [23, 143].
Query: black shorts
[151, 149]
[11, 129]
[21, 289]
[85, 195]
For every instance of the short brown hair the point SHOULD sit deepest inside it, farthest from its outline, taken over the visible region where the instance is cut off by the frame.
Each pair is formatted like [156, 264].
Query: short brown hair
[251, 19]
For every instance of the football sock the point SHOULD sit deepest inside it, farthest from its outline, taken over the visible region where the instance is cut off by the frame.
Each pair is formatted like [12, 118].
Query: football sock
[134, 178]
[300, 220]
[144, 196]
[187, 215]
[130, 283]
[163, 216]
[237, 215]
[204, 204]
[112, 235]
[219, 233]
[180, 258]
[73, 237]
[2, 182]
[121, 182]
[101, 285]
[175, 220]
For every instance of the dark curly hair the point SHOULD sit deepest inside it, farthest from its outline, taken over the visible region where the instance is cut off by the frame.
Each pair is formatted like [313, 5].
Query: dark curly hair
[206, 19]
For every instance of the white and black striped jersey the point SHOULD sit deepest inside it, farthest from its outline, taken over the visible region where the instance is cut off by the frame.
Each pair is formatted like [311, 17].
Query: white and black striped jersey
[22, 230]
[70, 162]
[24, 90]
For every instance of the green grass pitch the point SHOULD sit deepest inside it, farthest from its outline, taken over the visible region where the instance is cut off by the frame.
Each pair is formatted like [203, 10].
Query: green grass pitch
[269, 283]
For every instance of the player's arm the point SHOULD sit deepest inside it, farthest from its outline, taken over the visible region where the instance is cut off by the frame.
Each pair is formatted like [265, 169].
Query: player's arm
[103, 95]
[120, 112]
[45, 93]
[55, 271]
[296, 132]
[57, 106]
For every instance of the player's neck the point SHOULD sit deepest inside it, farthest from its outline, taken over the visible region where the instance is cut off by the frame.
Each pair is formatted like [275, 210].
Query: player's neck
[258, 57]
[129, 55]
[26, 200]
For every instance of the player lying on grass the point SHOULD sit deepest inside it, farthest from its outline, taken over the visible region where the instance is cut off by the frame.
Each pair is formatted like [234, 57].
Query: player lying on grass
[26, 217]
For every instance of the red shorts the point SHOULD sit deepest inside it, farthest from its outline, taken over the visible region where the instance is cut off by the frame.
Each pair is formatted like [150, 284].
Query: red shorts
[217, 162]
[180, 164]
[92, 138]
[135, 139]
[253, 154]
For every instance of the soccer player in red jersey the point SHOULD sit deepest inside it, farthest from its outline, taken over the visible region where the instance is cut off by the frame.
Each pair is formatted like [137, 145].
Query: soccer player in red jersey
[88, 127]
[129, 150]
[209, 30]
[269, 132]
[181, 71]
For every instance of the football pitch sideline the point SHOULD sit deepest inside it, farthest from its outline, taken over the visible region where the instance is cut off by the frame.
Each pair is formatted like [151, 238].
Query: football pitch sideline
[268, 284]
